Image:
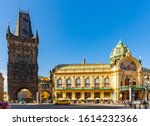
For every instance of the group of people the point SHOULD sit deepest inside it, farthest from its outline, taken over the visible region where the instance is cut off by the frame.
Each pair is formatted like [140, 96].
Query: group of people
[136, 104]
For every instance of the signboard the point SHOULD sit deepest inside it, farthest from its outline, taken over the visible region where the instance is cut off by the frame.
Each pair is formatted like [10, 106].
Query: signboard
[133, 94]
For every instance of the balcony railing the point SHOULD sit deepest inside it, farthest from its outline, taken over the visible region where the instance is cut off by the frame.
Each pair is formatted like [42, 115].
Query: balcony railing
[84, 88]
[124, 88]
[134, 87]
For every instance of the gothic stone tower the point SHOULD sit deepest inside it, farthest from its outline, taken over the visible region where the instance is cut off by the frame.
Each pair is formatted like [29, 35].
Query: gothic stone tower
[22, 64]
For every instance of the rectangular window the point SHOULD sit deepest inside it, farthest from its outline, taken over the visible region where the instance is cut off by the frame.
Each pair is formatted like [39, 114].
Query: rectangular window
[69, 95]
[106, 94]
[77, 95]
[96, 95]
[59, 95]
[87, 95]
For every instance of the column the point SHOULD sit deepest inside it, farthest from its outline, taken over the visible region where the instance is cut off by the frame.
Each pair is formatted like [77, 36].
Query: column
[130, 94]
[92, 95]
[73, 81]
[63, 82]
[55, 95]
[73, 94]
[82, 81]
[111, 96]
[102, 95]
[116, 95]
[63, 95]
[82, 94]
[91, 81]
[102, 82]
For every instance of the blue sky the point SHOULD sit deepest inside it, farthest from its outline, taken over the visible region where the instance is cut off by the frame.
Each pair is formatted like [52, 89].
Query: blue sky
[70, 30]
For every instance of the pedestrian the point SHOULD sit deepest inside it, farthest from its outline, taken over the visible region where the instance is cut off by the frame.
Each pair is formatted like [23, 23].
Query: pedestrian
[139, 106]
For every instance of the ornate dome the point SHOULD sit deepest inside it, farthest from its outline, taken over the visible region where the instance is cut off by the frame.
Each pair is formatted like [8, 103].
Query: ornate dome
[119, 52]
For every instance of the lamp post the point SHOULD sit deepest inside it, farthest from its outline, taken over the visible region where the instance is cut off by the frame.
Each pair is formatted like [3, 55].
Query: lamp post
[130, 91]
[37, 97]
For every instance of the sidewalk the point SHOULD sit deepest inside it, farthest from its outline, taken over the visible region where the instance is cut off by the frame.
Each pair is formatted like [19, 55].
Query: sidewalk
[99, 104]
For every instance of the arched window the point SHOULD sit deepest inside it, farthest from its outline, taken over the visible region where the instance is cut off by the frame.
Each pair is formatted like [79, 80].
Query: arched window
[106, 82]
[87, 82]
[128, 65]
[59, 83]
[77, 82]
[96, 82]
[68, 83]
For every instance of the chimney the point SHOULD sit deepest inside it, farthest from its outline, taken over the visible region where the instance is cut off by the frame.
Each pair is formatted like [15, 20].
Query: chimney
[84, 61]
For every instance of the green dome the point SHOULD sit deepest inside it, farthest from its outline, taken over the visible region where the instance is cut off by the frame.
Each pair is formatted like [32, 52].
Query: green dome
[118, 52]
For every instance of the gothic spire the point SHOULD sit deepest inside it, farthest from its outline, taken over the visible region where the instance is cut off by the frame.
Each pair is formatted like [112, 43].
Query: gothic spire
[23, 26]
[37, 35]
[8, 29]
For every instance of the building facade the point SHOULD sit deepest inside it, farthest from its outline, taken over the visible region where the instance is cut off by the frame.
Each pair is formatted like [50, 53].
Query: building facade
[1, 87]
[123, 79]
[22, 60]
[44, 89]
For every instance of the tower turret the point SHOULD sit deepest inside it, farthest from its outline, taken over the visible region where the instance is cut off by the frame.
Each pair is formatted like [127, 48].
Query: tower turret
[119, 52]
[22, 64]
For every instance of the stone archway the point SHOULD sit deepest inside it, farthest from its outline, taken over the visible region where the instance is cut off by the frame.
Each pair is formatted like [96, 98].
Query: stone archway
[25, 95]
[13, 96]
[45, 96]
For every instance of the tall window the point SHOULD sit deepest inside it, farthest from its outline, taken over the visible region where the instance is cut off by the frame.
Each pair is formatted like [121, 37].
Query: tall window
[127, 81]
[87, 82]
[96, 82]
[106, 82]
[59, 83]
[77, 82]
[68, 83]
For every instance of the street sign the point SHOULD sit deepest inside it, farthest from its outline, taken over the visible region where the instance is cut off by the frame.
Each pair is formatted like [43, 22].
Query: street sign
[133, 94]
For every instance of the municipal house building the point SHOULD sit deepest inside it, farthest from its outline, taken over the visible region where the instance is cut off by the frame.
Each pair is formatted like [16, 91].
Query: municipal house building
[124, 78]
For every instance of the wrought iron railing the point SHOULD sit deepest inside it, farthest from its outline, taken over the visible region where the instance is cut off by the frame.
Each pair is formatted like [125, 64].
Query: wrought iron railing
[134, 87]
[83, 88]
